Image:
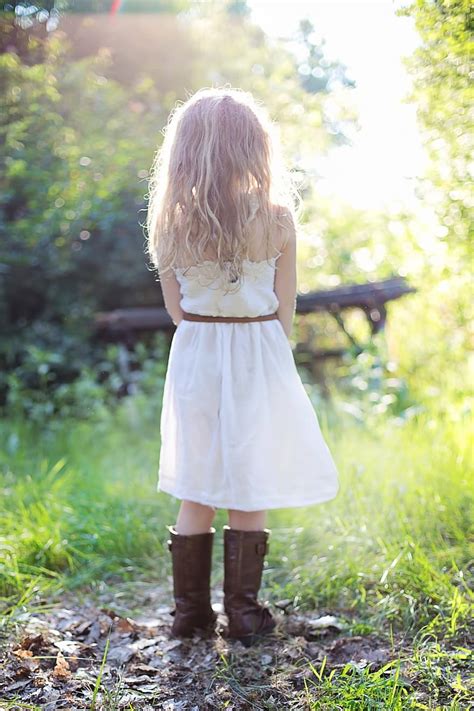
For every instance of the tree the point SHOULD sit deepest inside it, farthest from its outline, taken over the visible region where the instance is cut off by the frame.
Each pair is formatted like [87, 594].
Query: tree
[441, 69]
[21, 19]
[75, 149]
[33, 9]
[77, 137]
[318, 74]
[132, 6]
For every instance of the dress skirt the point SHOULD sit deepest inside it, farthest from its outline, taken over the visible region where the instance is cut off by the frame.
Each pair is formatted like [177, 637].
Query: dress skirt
[238, 429]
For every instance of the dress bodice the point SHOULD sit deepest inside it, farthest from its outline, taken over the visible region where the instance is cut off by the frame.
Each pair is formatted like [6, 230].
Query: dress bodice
[206, 289]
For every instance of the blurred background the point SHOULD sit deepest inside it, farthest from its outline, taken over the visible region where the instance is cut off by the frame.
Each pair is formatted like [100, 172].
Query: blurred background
[373, 122]
[376, 133]
[372, 102]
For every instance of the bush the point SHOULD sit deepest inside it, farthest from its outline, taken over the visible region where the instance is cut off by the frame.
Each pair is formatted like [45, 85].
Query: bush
[75, 150]
[47, 383]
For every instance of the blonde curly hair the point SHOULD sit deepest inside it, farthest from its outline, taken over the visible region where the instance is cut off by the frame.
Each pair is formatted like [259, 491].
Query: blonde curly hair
[220, 148]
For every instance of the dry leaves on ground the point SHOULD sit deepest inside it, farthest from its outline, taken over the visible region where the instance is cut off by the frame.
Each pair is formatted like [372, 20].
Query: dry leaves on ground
[53, 659]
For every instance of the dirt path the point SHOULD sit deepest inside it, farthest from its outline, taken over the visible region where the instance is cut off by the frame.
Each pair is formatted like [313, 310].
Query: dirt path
[112, 650]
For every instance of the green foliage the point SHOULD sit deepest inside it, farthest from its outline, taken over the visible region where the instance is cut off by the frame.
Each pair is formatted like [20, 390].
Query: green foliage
[443, 92]
[318, 74]
[441, 67]
[147, 6]
[73, 192]
[373, 388]
[22, 7]
[390, 546]
[38, 11]
[74, 163]
[428, 332]
[60, 382]
[310, 122]
[75, 151]
[238, 8]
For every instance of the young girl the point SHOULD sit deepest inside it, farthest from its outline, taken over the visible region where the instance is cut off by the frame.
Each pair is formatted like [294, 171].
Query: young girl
[238, 430]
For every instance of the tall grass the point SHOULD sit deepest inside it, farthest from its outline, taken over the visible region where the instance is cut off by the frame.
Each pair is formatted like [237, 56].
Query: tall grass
[394, 545]
[79, 504]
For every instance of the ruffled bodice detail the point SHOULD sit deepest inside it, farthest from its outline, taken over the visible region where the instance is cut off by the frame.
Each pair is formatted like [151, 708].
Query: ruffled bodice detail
[208, 290]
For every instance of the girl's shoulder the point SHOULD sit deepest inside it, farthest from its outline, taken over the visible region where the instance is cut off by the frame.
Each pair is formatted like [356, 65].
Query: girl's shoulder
[282, 212]
[285, 225]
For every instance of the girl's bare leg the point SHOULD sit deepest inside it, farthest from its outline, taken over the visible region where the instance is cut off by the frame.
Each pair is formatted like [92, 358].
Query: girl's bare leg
[194, 518]
[247, 520]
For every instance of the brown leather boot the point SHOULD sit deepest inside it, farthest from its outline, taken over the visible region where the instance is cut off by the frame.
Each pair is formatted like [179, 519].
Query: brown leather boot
[244, 552]
[192, 560]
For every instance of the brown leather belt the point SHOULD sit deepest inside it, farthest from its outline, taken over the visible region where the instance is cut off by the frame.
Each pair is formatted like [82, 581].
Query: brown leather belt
[228, 319]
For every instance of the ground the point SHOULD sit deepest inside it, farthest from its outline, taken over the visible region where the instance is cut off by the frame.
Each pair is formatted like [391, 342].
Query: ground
[86, 652]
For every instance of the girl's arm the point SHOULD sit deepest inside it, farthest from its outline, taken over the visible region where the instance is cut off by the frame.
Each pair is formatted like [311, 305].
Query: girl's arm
[171, 296]
[285, 276]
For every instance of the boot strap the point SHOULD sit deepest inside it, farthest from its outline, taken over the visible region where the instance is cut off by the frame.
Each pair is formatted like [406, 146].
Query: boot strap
[261, 548]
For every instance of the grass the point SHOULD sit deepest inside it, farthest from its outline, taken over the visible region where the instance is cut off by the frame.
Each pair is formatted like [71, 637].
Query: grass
[394, 544]
[391, 554]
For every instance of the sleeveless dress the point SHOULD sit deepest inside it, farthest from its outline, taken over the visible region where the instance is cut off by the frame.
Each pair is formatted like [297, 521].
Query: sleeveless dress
[238, 429]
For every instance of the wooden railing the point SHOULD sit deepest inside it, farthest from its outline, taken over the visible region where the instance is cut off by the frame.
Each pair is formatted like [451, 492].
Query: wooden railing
[372, 298]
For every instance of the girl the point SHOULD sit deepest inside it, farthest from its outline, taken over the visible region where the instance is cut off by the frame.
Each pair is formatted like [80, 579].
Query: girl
[238, 430]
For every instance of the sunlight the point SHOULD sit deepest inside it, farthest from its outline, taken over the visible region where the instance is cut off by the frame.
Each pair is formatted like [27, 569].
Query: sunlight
[379, 168]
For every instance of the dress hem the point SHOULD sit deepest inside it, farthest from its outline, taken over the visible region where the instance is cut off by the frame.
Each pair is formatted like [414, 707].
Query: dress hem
[283, 504]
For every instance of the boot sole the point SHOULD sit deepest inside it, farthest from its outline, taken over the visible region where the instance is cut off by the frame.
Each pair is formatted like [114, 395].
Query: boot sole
[249, 640]
[207, 629]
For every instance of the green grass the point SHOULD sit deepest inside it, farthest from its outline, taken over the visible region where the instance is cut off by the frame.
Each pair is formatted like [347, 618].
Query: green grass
[395, 542]
[391, 554]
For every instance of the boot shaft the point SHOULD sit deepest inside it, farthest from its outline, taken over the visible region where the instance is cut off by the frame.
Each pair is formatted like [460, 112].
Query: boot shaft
[244, 553]
[192, 560]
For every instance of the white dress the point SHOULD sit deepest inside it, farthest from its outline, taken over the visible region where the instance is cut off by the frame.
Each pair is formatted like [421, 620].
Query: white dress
[238, 429]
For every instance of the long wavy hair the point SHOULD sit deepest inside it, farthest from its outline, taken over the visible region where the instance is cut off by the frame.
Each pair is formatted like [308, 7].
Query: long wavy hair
[220, 148]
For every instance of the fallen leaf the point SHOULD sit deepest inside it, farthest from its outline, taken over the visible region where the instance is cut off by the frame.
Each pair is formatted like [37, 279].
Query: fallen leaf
[68, 645]
[18, 685]
[144, 668]
[32, 642]
[125, 625]
[23, 653]
[61, 669]
[324, 622]
[81, 629]
[143, 644]
[28, 663]
[121, 654]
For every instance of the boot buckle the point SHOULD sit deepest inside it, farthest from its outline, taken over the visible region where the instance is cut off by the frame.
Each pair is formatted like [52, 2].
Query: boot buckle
[169, 542]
